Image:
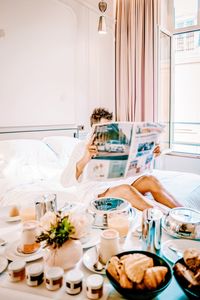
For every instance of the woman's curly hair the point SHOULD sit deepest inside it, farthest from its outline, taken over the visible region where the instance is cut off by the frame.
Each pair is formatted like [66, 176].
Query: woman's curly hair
[98, 114]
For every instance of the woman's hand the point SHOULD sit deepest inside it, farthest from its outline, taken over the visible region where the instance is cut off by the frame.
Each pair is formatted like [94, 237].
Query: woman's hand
[157, 151]
[91, 149]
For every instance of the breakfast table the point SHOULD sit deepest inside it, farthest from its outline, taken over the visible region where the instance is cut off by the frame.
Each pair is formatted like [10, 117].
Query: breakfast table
[19, 290]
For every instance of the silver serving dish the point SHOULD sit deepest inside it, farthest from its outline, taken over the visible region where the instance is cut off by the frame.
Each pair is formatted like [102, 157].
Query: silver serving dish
[182, 222]
[101, 208]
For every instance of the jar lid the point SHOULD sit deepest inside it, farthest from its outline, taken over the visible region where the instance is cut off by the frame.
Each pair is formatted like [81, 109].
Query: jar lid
[34, 269]
[54, 273]
[94, 281]
[74, 276]
[16, 265]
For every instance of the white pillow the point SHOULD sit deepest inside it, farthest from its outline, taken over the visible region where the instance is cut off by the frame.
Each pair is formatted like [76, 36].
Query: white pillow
[62, 146]
[26, 159]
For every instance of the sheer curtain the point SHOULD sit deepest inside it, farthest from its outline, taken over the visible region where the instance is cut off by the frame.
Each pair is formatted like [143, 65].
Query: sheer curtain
[136, 63]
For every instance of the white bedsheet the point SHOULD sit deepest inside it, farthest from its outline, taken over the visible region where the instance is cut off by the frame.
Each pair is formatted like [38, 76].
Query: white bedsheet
[24, 194]
[184, 186]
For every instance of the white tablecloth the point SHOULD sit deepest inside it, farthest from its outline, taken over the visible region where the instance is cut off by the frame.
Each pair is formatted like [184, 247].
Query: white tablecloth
[20, 290]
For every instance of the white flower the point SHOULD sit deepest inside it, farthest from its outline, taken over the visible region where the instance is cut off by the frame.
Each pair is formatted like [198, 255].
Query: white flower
[47, 220]
[81, 225]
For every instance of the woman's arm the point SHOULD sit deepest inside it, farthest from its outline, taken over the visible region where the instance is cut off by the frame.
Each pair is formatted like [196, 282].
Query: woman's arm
[90, 151]
[79, 158]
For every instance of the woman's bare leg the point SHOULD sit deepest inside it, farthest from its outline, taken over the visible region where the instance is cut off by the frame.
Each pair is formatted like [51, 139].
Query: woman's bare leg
[151, 184]
[128, 193]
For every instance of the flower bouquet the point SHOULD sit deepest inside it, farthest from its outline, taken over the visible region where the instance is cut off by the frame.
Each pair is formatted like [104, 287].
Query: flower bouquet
[60, 234]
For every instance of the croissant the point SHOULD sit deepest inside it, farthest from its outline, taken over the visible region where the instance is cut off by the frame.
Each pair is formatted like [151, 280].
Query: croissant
[117, 271]
[113, 267]
[192, 258]
[154, 276]
[124, 257]
[136, 265]
[124, 280]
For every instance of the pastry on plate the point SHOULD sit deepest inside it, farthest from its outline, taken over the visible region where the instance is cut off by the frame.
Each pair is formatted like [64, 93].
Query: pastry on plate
[191, 258]
[14, 211]
[187, 274]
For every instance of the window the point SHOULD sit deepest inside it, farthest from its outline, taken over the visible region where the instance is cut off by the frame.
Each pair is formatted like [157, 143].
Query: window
[185, 122]
[186, 13]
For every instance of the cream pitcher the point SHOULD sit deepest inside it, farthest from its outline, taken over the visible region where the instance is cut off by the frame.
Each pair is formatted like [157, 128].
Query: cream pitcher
[152, 230]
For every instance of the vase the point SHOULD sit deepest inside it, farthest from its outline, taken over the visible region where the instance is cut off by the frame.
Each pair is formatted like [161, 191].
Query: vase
[65, 256]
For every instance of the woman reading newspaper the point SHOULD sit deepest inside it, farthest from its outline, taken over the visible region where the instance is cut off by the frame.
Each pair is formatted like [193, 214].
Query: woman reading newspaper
[131, 188]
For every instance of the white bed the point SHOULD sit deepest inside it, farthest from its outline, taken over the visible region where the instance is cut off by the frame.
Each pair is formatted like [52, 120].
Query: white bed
[30, 168]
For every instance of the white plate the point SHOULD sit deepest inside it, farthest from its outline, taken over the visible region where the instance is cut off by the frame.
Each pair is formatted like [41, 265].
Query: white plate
[92, 239]
[180, 244]
[12, 253]
[89, 258]
[3, 264]
[4, 214]
[13, 219]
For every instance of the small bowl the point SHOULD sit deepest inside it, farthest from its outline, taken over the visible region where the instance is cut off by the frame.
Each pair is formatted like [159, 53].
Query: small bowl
[143, 294]
[192, 293]
[101, 208]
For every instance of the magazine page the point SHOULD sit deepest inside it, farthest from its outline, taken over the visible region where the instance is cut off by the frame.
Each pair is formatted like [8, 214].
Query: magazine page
[145, 138]
[113, 141]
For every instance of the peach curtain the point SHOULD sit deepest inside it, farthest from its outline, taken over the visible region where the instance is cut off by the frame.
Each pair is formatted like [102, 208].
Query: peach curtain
[136, 65]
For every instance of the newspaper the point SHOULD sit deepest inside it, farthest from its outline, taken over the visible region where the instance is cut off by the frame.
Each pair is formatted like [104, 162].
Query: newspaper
[123, 149]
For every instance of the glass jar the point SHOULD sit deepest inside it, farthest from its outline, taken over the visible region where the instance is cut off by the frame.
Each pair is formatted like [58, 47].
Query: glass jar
[16, 270]
[34, 274]
[54, 278]
[74, 282]
[94, 286]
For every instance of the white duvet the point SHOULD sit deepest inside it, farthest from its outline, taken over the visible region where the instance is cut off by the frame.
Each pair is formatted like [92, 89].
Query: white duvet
[32, 168]
[184, 186]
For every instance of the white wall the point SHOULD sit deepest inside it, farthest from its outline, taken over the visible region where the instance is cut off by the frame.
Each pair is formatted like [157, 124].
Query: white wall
[55, 67]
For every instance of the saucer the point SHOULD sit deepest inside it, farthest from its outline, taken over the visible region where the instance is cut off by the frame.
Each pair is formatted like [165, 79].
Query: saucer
[3, 264]
[4, 214]
[92, 239]
[89, 258]
[13, 219]
[19, 252]
[12, 253]
[180, 244]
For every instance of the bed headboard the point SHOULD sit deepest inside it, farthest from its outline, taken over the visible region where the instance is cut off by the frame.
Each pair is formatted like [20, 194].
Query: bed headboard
[39, 132]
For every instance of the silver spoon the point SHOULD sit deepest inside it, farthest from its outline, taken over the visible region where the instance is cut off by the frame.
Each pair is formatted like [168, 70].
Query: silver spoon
[98, 266]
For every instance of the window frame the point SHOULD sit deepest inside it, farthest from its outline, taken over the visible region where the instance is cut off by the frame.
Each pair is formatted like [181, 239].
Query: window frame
[161, 30]
[175, 32]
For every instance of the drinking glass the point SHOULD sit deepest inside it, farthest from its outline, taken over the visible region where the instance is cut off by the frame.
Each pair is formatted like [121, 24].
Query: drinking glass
[120, 222]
